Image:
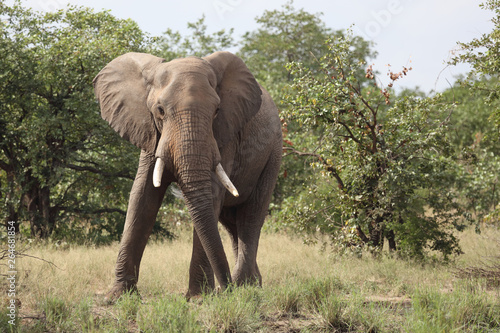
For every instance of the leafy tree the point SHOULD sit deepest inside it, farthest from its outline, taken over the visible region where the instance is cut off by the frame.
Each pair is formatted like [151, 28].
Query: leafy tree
[483, 54]
[470, 120]
[385, 169]
[289, 35]
[173, 45]
[285, 35]
[60, 162]
[482, 166]
[475, 142]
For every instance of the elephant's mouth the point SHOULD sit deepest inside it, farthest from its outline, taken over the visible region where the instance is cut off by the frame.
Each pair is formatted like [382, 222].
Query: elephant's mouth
[219, 171]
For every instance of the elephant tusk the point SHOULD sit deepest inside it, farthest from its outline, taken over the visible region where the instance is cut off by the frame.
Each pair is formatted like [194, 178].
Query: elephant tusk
[225, 180]
[158, 172]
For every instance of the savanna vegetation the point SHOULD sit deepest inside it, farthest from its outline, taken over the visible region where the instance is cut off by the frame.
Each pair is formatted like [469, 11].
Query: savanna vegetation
[389, 195]
[330, 294]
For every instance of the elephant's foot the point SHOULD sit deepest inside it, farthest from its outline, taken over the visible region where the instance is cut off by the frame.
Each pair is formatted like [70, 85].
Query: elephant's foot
[118, 290]
[194, 297]
[247, 277]
[198, 291]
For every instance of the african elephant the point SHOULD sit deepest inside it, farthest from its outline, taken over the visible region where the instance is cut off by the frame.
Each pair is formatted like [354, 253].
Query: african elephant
[206, 124]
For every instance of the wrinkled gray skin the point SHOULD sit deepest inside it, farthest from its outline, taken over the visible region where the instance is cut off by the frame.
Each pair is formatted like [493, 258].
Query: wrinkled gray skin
[194, 113]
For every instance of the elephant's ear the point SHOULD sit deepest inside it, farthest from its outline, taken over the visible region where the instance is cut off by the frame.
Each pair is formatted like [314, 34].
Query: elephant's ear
[121, 88]
[239, 93]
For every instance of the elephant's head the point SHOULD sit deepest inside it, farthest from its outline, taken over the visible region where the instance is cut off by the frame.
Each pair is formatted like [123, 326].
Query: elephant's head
[183, 111]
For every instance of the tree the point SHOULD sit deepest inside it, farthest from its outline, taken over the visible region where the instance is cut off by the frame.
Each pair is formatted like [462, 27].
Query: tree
[59, 161]
[483, 54]
[172, 45]
[290, 35]
[481, 169]
[470, 120]
[385, 166]
[285, 35]
[475, 141]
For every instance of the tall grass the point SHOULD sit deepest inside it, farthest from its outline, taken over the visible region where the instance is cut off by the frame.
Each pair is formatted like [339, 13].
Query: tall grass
[305, 288]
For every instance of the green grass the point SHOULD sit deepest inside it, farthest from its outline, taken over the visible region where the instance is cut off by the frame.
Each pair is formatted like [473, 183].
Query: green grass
[306, 289]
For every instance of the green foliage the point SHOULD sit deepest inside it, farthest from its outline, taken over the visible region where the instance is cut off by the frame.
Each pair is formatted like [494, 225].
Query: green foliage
[62, 168]
[385, 171]
[471, 128]
[482, 167]
[290, 35]
[483, 55]
[172, 45]
[285, 35]
[479, 191]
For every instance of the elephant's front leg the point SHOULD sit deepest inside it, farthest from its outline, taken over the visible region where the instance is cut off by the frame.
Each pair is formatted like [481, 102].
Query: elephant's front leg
[144, 202]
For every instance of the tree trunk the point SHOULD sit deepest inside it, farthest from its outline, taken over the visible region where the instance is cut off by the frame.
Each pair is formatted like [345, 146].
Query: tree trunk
[376, 234]
[37, 202]
[12, 212]
[391, 237]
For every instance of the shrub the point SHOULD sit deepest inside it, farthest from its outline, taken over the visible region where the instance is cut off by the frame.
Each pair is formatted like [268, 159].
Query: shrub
[383, 168]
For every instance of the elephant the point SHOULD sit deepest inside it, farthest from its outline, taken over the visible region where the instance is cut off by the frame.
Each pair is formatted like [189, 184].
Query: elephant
[209, 126]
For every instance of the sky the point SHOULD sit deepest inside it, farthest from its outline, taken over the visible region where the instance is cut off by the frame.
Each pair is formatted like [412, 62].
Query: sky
[421, 34]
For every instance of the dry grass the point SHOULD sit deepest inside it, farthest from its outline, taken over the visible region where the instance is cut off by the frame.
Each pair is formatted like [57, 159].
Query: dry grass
[483, 257]
[299, 281]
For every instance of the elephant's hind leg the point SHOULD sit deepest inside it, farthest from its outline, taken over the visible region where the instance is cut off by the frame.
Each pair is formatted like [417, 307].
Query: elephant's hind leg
[250, 217]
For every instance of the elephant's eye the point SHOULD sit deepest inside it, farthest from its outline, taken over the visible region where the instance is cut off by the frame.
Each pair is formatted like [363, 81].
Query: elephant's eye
[161, 110]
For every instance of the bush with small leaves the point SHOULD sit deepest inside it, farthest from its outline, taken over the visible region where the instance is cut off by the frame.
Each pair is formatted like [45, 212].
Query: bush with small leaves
[383, 165]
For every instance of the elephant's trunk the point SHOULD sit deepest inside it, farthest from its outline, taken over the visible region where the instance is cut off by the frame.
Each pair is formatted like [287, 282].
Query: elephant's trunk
[201, 208]
[187, 148]
[195, 173]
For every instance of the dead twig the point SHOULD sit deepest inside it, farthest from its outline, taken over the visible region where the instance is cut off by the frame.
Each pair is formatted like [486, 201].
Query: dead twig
[6, 255]
[487, 270]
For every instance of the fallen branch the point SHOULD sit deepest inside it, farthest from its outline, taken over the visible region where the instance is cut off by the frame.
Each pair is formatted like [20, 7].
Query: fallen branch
[489, 271]
[5, 255]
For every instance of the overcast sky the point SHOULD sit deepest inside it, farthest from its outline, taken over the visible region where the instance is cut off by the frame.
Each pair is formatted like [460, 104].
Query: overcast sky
[417, 33]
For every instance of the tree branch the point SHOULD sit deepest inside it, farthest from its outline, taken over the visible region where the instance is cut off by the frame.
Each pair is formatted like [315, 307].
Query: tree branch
[5, 166]
[121, 174]
[351, 135]
[362, 235]
[95, 211]
[327, 166]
